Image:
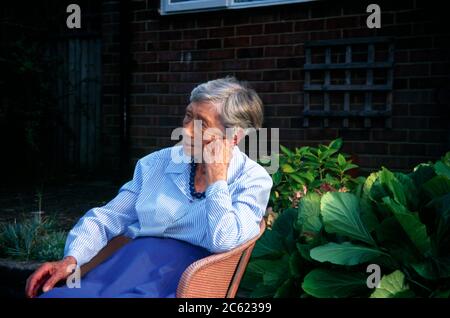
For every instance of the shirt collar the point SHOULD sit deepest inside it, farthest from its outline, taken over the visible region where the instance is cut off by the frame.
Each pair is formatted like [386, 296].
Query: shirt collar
[179, 161]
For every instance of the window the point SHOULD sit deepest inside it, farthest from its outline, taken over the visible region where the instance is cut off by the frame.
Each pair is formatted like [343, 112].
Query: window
[184, 6]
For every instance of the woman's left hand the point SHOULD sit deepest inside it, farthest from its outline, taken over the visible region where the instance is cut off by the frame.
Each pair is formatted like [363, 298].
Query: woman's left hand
[217, 156]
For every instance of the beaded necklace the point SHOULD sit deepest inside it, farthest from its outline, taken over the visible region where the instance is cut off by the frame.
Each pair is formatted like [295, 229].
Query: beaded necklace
[194, 194]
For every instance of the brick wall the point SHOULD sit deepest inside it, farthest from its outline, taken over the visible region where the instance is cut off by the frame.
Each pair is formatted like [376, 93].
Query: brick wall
[172, 54]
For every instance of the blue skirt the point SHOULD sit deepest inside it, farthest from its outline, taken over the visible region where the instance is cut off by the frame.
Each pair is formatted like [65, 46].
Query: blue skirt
[145, 267]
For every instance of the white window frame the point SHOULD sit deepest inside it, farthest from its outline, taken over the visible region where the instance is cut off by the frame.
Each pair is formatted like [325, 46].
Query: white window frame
[167, 7]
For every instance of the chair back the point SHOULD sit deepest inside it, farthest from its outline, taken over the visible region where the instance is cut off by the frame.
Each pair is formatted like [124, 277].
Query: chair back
[217, 275]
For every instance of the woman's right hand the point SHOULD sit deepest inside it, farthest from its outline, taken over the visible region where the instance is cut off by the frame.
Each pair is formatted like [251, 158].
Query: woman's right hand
[48, 275]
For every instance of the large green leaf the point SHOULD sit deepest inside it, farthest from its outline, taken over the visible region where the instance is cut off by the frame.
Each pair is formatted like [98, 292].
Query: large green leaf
[397, 185]
[411, 223]
[262, 291]
[442, 169]
[284, 223]
[341, 215]
[323, 283]
[442, 234]
[425, 269]
[304, 249]
[345, 253]
[437, 186]
[422, 173]
[400, 186]
[270, 244]
[341, 160]
[367, 214]
[287, 289]
[287, 168]
[308, 220]
[370, 180]
[251, 281]
[390, 182]
[442, 265]
[273, 272]
[276, 177]
[336, 144]
[286, 151]
[297, 178]
[277, 274]
[279, 239]
[409, 189]
[441, 294]
[392, 286]
[391, 236]
[295, 264]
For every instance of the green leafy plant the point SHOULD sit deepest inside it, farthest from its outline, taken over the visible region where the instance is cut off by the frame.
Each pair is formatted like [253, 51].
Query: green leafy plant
[399, 222]
[33, 239]
[309, 168]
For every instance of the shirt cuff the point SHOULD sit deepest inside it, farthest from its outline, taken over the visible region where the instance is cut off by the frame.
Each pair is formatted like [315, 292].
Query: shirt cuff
[78, 255]
[215, 187]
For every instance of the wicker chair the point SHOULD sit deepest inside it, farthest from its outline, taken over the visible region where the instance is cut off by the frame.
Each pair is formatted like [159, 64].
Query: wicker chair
[215, 276]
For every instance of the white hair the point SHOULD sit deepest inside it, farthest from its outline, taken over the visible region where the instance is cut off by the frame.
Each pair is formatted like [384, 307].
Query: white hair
[238, 104]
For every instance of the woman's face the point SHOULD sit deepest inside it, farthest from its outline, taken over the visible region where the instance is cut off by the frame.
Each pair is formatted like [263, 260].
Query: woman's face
[201, 124]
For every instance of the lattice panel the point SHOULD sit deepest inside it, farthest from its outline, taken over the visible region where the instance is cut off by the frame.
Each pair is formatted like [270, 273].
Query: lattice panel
[337, 71]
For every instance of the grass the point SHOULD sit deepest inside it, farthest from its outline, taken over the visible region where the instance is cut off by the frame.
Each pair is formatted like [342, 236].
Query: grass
[35, 238]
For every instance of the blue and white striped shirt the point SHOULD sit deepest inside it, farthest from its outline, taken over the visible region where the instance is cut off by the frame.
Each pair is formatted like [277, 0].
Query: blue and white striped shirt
[157, 202]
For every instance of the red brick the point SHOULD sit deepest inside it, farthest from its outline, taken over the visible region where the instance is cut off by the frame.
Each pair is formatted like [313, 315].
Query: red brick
[262, 87]
[440, 69]
[321, 134]
[213, 19]
[290, 38]
[409, 70]
[182, 45]
[276, 75]
[343, 22]
[235, 18]
[272, 39]
[290, 62]
[294, 13]
[262, 64]
[354, 134]
[278, 51]
[431, 136]
[325, 35]
[237, 42]
[389, 135]
[221, 54]
[288, 87]
[221, 32]
[309, 25]
[406, 149]
[274, 99]
[235, 64]
[249, 29]
[249, 53]
[209, 44]
[279, 27]
[195, 34]
[370, 147]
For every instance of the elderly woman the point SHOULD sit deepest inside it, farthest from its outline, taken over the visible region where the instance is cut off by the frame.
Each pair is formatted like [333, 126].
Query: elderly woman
[176, 211]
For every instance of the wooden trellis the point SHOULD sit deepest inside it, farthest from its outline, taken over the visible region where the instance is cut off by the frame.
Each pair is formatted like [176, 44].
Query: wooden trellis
[348, 66]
